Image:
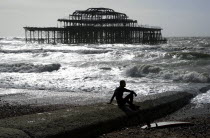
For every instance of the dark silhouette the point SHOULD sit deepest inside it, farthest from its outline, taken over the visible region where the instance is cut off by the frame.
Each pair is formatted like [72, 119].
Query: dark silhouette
[118, 93]
[96, 26]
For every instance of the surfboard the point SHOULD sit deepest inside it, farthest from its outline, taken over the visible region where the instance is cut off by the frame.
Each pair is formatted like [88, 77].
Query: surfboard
[166, 124]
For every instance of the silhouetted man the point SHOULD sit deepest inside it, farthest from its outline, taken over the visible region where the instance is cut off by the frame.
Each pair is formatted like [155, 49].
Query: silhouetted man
[118, 93]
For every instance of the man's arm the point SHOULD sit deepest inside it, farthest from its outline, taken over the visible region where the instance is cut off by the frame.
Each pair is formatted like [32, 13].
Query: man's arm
[126, 90]
[112, 98]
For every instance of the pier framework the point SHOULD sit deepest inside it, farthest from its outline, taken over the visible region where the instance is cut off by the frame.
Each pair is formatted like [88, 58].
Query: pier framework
[96, 25]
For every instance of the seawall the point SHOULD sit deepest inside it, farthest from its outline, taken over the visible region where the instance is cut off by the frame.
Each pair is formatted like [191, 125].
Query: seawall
[92, 120]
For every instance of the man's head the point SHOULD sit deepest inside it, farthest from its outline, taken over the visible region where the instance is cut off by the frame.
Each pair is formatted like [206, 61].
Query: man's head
[122, 83]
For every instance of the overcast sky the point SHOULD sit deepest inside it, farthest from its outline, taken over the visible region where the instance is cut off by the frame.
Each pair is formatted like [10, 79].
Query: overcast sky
[176, 17]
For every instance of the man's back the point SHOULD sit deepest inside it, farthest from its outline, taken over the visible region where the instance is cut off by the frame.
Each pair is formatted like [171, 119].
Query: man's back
[119, 93]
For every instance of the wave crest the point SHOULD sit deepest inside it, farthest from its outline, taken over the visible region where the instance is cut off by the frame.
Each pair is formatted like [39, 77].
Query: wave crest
[188, 77]
[142, 70]
[28, 68]
[93, 51]
[188, 55]
[152, 72]
[52, 50]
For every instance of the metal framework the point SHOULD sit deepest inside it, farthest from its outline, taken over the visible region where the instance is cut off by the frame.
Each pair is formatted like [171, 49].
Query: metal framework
[96, 25]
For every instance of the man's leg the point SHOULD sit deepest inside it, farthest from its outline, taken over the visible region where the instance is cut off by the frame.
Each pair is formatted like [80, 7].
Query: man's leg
[129, 99]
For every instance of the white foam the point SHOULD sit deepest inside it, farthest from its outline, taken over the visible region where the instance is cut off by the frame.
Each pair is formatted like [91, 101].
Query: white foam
[186, 76]
[202, 99]
[97, 69]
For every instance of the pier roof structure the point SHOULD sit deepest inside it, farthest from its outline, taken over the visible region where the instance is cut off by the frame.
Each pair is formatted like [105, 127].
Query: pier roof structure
[96, 25]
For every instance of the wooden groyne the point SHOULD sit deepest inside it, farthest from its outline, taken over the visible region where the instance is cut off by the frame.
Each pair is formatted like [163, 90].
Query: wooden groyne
[96, 26]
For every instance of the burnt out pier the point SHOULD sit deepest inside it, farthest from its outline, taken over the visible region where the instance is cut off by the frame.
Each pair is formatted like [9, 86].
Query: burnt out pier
[96, 26]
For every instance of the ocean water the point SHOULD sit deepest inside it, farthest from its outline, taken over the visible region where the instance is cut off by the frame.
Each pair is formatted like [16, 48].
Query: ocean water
[183, 64]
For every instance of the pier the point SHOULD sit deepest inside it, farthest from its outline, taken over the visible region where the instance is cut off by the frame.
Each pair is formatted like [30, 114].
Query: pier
[96, 26]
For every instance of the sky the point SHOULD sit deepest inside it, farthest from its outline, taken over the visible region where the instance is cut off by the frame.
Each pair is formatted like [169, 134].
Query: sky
[176, 17]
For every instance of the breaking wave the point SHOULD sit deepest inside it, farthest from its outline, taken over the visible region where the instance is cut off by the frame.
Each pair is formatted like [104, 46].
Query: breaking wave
[52, 50]
[28, 68]
[187, 77]
[152, 72]
[93, 51]
[142, 70]
[187, 55]
[18, 38]
[12, 38]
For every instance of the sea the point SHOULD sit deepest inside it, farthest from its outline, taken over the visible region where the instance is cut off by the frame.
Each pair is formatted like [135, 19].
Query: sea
[93, 71]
